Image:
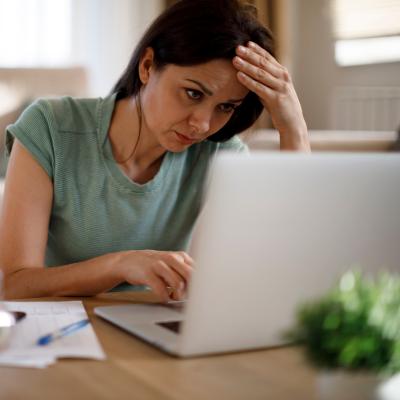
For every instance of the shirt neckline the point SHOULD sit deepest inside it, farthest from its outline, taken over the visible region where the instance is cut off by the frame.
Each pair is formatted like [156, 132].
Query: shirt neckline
[104, 114]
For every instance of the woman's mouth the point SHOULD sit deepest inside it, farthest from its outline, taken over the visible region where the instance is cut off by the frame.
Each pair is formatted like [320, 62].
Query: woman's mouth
[184, 139]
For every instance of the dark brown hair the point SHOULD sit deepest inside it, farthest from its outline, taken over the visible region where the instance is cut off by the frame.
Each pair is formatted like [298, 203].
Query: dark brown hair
[193, 32]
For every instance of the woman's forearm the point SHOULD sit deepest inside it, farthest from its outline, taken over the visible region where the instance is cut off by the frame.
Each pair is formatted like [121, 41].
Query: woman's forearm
[156, 269]
[298, 140]
[84, 278]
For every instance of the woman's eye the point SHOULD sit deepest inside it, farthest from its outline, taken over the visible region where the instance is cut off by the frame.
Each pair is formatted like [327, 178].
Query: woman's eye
[227, 107]
[194, 94]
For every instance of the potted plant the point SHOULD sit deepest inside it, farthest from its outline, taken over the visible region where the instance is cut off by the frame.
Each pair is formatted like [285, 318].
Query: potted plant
[353, 334]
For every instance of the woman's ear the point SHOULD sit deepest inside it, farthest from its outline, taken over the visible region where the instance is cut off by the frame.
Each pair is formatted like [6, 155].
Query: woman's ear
[146, 65]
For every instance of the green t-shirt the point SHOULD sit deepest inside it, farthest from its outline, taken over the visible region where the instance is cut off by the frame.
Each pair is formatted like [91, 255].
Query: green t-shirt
[96, 208]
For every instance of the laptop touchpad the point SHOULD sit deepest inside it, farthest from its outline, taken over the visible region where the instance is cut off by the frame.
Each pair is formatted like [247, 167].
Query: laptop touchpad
[174, 326]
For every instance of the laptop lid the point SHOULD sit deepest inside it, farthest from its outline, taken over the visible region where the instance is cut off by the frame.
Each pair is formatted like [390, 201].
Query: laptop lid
[279, 229]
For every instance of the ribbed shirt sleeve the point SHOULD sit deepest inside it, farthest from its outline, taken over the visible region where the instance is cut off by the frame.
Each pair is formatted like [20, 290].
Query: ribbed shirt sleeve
[35, 130]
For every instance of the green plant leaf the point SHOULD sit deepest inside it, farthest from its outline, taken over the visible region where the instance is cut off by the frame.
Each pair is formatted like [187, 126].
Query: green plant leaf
[355, 326]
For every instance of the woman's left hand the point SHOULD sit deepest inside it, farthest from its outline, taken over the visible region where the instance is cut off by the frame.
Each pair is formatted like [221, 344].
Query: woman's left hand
[262, 74]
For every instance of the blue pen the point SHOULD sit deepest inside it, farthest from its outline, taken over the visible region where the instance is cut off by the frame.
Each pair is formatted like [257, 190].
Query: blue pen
[66, 330]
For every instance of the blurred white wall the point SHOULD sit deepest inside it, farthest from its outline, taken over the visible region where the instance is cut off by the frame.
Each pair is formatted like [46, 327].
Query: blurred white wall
[313, 67]
[104, 35]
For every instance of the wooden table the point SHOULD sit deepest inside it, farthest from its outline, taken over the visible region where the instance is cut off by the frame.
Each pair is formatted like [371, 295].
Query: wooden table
[136, 370]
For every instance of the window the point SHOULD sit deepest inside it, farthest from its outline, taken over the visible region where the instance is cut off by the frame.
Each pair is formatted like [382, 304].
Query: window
[35, 33]
[366, 31]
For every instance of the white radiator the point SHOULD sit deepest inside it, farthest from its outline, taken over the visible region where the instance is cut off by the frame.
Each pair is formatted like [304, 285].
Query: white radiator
[366, 108]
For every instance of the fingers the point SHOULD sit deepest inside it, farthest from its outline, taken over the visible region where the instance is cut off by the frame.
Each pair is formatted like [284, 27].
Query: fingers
[167, 273]
[172, 279]
[262, 52]
[262, 74]
[257, 64]
[172, 270]
[165, 283]
[181, 263]
[262, 60]
[261, 68]
[260, 89]
[189, 260]
[158, 287]
[258, 74]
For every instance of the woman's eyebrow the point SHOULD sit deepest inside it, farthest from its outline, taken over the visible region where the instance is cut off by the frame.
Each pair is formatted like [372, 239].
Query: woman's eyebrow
[235, 100]
[202, 87]
[209, 92]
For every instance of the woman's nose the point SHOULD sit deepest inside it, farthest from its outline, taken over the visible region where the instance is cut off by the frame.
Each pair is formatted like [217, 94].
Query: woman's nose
[200, 120]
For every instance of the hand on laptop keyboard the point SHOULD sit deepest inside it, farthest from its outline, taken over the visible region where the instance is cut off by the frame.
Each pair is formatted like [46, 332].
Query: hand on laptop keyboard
[167, 273]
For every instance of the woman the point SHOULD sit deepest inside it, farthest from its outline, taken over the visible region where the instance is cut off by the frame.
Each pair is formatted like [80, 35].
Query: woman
[107, 190]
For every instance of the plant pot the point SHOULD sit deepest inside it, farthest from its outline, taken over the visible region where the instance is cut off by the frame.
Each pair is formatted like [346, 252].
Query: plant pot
[342, 385]
[390, 388]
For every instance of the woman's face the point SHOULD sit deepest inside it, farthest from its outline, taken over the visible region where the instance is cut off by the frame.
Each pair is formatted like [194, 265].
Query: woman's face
[185, 105]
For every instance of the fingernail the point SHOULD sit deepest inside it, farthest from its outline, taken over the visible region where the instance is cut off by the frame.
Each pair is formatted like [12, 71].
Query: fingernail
[242, 49]
[178, 295]
[238, 60]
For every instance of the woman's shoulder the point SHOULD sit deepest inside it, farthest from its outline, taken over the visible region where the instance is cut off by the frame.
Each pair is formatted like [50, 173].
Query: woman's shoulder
[68, 113]
[234, 144]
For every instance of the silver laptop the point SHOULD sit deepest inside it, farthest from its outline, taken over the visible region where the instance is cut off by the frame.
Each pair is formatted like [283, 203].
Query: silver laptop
[276, 230]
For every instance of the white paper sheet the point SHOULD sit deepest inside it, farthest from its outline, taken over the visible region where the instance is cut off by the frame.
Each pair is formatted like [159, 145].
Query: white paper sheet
[43, 318]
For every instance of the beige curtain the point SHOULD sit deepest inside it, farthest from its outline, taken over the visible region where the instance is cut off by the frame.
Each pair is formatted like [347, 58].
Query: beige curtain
[264, 8]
